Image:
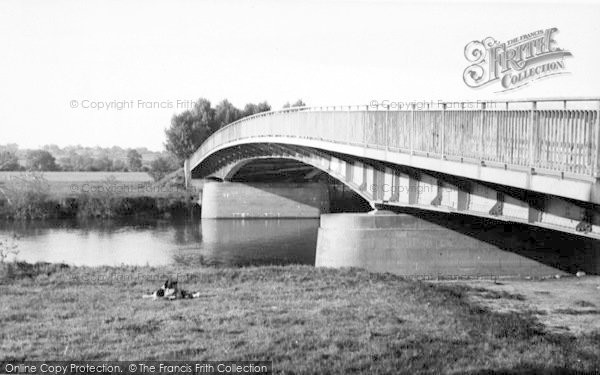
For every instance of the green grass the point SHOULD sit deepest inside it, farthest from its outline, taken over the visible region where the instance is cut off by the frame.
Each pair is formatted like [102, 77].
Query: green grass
[85, 176]
[69, 184]
[50, 195]
[305, 319]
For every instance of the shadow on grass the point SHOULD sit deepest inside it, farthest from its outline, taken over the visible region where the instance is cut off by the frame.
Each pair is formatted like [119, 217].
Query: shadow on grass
[526, 370]
[11, 271]
[304, 319]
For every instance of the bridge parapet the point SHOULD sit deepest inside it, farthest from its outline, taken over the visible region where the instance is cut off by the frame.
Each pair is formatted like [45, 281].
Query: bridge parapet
[543, 136]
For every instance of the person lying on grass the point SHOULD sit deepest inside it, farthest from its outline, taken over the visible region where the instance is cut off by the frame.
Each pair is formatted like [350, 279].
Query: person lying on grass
[169, 290]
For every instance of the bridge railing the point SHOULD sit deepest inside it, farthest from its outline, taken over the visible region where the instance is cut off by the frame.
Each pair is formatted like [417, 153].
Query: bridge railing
[555, 136]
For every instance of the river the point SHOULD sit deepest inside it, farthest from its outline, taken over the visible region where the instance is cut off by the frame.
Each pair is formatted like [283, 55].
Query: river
[163, 242]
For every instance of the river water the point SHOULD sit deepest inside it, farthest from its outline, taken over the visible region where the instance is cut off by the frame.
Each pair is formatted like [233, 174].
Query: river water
[208, 242]
[162, 242]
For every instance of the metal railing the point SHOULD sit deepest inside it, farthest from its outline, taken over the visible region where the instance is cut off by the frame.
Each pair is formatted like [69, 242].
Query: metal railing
[540, 135]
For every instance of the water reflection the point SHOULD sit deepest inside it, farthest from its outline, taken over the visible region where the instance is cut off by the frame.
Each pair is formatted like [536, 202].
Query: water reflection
[160, 242]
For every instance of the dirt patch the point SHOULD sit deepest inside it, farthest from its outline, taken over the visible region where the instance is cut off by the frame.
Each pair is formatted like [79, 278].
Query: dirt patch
[569, 304]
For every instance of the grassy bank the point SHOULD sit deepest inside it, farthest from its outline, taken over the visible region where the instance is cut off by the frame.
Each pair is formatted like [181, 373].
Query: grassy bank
[99, 206]
[58, 195]
[305, 319]
[64, 184]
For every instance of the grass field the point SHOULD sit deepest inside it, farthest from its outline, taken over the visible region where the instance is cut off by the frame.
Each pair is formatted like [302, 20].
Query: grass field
[66, 184]
[50, 195]
[305, 319]
[85, 176]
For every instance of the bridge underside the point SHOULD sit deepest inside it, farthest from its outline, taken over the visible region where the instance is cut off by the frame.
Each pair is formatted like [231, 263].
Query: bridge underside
[385, 185]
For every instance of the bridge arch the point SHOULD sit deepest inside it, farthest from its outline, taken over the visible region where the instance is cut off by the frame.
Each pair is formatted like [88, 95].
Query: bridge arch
[437, 159]
[229, 172]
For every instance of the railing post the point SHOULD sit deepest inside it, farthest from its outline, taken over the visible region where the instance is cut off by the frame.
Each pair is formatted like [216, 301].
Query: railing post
[386, 132]
[443, 132]
[530, 134]
[481, 131]
[365, 123]
[595, 168]
[348, 134]
[331, 132]
[411, 129]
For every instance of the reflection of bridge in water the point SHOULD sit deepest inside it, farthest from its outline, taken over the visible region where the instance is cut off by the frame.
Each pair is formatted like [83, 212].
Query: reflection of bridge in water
[259, 242]
[528, 162]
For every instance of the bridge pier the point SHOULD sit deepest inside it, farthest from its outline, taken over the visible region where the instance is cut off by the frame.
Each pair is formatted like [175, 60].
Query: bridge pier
[409, 245]
[236, 200]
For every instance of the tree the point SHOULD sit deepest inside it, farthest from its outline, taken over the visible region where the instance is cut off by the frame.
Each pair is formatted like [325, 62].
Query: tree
[119, 165]
[298, 103]
[252, 109]
[65, 164]
[53, 149]
[189, 129]
[162, 166]
[10, 147]
[226, 113]
[40, 160]
[82, 162]
[9, 161]
[27, 196]
[134, 160]
[102, 164]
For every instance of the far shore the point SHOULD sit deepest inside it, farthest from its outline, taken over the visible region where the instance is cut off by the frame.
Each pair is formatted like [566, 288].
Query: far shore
[304, 319]
[105, 195]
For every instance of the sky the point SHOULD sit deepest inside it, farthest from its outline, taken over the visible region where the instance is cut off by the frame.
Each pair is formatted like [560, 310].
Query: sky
[61, 60]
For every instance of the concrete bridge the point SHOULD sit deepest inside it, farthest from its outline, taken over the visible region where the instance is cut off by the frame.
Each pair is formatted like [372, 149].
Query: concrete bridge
[533, 162]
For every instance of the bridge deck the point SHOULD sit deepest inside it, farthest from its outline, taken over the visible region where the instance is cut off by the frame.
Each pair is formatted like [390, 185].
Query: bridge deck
[547, 137]
[534, 162]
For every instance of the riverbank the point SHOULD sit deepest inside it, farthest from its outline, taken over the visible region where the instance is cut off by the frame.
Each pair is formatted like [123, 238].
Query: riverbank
[305, 319]
[83, 206]
[68, 195]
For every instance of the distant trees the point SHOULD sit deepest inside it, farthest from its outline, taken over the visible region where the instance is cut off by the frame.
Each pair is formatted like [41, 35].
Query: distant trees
[119, 165]
[188, 130]
[40, 160]
[297, 103]
[192, 127]
[134, 160]
[111, 159]
[85, 163]
[252, 109]
[76, 162]
[9, 161]
[162, 166]
[76, 158]
[103, 163]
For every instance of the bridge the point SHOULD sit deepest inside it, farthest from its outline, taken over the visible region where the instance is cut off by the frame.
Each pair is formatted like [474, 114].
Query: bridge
[532, 162]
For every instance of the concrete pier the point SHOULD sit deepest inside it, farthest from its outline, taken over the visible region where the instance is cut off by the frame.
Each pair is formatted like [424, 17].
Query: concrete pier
[407, 245]
[235, 200]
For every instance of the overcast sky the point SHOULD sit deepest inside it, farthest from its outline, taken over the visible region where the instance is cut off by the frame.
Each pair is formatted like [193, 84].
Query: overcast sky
[56, 53]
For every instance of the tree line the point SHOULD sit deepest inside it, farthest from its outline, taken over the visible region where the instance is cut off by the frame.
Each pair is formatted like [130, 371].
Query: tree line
[192, 127]
[78, 159]
[187, 131]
